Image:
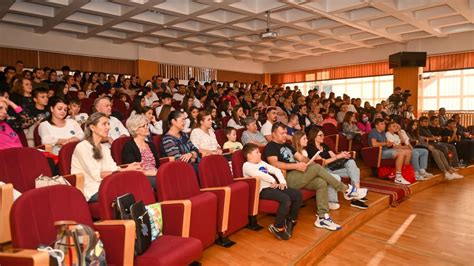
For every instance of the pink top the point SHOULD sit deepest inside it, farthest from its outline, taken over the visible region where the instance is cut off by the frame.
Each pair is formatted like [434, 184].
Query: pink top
[366, 128]
[8, 137]
[148, 160]
[330, 120]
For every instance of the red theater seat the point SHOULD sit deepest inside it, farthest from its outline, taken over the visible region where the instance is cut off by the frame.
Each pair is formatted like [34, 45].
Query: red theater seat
[31, 225]
[166, 250]
[232, 195]
[177, 182]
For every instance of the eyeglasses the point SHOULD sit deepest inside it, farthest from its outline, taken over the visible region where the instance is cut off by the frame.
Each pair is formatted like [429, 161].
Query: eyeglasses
[320, 135]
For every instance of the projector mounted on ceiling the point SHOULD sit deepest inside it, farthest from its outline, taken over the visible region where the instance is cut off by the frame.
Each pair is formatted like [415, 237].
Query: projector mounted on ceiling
[268, 33]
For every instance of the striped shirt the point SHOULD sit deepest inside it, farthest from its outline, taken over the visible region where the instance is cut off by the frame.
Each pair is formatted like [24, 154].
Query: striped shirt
[175, 147]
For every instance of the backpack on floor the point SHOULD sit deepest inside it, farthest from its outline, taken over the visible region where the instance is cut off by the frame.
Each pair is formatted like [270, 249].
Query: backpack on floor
[80, 244]
[408, 172]
[386, 172]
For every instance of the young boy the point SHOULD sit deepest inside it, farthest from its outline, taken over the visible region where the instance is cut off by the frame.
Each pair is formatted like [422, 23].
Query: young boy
[273, 187]
[74, 109]
[232, 144]
[39, 112]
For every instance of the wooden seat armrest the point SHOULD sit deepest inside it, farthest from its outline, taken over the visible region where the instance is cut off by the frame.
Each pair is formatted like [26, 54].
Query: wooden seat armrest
[186, 214]
[128, 238]
[78, 180]
[256, 187]
[45, 147]
[6, 197]
[24, 257]
[166, 160]
[226, 210]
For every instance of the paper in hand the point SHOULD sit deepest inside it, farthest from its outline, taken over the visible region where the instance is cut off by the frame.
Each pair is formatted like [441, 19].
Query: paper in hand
[313, 158]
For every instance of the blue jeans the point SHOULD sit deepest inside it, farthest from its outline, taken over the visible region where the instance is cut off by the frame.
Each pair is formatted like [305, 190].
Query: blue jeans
[351, 170]
[419, 159]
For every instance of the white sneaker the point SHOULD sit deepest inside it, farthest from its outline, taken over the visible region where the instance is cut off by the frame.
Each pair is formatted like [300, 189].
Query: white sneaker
[334, 206]
[448, 176]
[401, 180]
[419, 176]
[427, 175]
[326, 223]
[353, 193]
[457, 176]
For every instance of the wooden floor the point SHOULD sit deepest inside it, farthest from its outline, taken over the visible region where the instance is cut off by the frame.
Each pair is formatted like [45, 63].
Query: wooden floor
[371, 228]
[433, 227]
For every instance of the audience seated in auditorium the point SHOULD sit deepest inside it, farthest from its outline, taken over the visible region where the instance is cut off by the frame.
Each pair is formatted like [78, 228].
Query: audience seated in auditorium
[57, 130]
[419, 156]
[141, 150]
[435, 140]
[93, 158]
[266, 129]
[377, 138]
[348, 167]
[237, 116]
[251, 134]
[203, 137]
[232, 144]
[117, 129]
[311, 176]
[175, 143]
[273, 187]
[75, 112]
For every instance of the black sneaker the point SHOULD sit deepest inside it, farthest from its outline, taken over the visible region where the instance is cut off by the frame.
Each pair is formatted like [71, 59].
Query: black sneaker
[290, 225]
[364, 199]
[281, 234]
[359, 204]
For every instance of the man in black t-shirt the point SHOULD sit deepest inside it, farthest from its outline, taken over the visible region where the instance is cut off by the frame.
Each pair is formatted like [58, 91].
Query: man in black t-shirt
[310, 176]
[428, 136]
[38, 111]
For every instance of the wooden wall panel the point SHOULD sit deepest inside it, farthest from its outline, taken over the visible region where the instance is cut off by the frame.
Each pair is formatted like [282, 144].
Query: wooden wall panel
[146, 69]
[224, 75]
[9, 56]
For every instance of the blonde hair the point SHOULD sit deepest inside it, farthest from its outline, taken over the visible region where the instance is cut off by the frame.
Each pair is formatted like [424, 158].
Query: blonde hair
[296, 140]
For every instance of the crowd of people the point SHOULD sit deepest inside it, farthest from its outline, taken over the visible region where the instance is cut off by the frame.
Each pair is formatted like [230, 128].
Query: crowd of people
[282, 132]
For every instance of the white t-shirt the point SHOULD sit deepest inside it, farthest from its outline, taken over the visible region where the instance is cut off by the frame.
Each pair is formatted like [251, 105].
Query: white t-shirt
[263, 171]
[266, 128]
[84, 162]
[153, 98]
[50, 134]
[116, 128]
[204, 141]
[80, 118]
[156, 128]
[393, 138]
[178, 97]
[233, 124]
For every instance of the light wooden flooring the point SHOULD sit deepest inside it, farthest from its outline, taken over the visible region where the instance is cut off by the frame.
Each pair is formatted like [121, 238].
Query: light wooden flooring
[261, 248]
[441, 231]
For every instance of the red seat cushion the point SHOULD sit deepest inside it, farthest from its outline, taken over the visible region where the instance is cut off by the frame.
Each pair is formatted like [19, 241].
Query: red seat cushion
[171, 250]
[307, 194]
[94, 208]
[32, 225]
[21, 166]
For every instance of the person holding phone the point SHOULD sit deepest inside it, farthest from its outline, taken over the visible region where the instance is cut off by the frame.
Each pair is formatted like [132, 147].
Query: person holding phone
[341, 164]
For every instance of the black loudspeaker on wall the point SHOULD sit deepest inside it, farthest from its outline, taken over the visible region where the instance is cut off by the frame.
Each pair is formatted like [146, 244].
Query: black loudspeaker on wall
[407, 59]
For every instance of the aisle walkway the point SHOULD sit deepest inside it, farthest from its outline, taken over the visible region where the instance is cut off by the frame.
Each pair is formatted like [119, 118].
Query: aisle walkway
[435, 227]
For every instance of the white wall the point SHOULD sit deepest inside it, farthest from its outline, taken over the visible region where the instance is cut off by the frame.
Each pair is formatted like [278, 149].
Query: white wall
[13, 36]
[22, 37]
[454, 43]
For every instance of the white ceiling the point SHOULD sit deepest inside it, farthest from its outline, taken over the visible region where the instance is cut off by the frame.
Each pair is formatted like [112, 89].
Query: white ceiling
[231, 28]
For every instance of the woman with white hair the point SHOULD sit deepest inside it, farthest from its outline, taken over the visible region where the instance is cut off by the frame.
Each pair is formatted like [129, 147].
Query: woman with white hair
[93, 158]
[139, 149]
